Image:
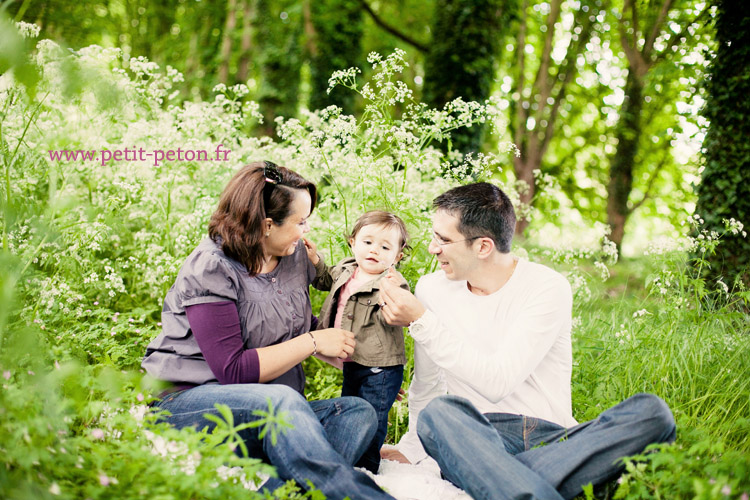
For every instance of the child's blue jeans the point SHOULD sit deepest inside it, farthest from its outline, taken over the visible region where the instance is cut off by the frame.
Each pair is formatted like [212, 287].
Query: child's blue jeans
[378, 386]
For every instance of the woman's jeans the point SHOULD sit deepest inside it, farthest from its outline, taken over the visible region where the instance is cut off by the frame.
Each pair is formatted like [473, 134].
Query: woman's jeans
[506, 456]
[327, 438]
[378, 386]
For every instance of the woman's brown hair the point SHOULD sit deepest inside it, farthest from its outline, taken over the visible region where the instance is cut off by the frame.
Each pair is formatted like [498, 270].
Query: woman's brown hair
[257, 191]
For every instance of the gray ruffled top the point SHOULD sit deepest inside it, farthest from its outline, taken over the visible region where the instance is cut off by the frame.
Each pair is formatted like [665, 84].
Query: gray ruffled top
[273, 308]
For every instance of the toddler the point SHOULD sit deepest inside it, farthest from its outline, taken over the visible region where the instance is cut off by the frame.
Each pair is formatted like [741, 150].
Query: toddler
[375, 370]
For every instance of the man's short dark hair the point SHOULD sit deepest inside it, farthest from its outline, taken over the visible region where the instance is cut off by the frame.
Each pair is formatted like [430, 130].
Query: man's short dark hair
[482, 210]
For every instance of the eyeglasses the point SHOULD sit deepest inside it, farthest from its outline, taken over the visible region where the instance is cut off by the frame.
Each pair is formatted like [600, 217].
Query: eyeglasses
[441, 242]
[273, 177]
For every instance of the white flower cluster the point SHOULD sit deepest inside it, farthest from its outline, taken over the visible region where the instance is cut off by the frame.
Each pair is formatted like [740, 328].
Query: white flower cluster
[113, 281]
[662, 283]
[392, 64]
[663, 246]
[603, 270]
[579, 286]
[622, 335]
[344, 77]
[56, 296]
[695, 220]
[151, 83]
[734, 226]
[641, 313]
[28, 30]
[174, 451]
[237, 475]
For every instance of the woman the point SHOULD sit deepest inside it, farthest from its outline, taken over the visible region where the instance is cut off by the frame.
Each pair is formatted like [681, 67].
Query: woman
[236, 328]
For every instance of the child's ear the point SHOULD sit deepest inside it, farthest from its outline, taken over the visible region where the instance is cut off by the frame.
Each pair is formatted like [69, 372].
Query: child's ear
[399, 257]
[351, 242]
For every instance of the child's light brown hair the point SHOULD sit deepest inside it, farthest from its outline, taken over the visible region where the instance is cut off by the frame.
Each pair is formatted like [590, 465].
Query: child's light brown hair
[381, 218]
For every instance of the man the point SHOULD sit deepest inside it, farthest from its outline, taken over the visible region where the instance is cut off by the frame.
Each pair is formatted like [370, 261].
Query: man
[490, 397]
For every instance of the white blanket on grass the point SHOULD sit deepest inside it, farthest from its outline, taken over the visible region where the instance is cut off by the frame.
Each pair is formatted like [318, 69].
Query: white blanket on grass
[416, 482]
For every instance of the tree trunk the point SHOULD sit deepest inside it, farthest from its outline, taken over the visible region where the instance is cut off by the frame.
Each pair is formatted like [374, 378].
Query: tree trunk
[460, 61]
[226, 42]
[278, 30]
[311, 45]
[724, 190]
[193, 60]
[621, 168]
[248, 9]
[523, 168]
[336, 26]
[534, 117]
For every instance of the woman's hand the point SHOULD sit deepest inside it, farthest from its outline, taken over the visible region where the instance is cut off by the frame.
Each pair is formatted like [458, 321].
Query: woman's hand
[277, 359]
[312, 251]
[335, 342]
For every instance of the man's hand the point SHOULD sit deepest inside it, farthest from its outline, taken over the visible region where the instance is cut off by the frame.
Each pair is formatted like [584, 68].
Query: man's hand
[312, 251]
[393, 454]
[398, 306]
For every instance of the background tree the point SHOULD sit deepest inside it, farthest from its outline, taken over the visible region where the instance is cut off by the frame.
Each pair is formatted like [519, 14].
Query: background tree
[403, 24]
[278, 32]
[546, 62]
[724, 190]
[563, 77]
[650, 34]
[247, 10]
[335, 44]
[461, 57]
[227, 40]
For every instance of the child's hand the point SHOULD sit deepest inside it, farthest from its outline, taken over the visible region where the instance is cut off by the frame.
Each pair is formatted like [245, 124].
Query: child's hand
[312, 251]
[401, 394]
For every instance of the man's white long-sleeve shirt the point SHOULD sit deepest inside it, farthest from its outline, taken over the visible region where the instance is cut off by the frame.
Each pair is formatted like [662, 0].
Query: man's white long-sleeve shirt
[507, 352]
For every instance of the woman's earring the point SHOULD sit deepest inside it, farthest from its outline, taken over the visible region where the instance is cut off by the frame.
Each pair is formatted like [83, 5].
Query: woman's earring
[268, 234]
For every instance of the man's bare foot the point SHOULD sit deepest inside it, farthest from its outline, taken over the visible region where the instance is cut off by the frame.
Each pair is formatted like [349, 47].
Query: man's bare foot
[393, 454]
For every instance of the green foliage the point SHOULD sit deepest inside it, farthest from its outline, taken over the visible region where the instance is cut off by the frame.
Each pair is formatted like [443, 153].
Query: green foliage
[698, 467]
[91, 247]
[226, 432]
[687, 343]
[651, 101]
[279, 31]
[336, 46]
[82, 431]
[197, 39]
[460, 61]
[13, 48]
[724, 190]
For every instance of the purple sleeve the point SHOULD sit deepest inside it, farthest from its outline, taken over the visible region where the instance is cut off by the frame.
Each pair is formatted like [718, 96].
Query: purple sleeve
[216, 326]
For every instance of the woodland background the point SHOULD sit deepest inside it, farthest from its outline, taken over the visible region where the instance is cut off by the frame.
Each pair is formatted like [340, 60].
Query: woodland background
[619, 127]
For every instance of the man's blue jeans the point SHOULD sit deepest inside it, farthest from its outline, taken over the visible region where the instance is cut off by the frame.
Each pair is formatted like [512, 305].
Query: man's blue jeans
[328, 436]
[506, 456]
[378, 386]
